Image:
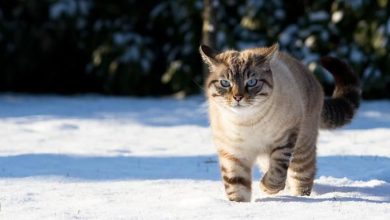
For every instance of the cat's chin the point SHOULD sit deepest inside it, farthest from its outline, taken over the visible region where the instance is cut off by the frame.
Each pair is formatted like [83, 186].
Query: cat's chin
[237, 108]
[240, 109]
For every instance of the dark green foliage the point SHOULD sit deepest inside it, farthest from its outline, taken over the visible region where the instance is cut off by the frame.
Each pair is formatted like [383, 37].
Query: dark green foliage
[38, 55]
[121, 47]
[130, 47]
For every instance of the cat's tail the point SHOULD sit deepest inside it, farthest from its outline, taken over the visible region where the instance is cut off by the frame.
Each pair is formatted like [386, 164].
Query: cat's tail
[341, 107]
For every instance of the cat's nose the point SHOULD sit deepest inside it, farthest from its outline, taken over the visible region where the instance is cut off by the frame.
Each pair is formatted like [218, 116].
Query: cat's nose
[237, 97]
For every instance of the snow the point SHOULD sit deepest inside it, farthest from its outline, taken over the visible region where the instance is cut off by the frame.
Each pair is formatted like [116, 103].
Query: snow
[93, 157]
[287, 34]
[310, 41]
[337, 16]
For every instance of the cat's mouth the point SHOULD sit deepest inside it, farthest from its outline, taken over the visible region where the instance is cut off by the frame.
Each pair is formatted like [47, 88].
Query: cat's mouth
[237, 105]
[240, 105]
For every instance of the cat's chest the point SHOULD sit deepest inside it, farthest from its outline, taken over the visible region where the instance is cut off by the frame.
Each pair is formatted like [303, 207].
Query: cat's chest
[254, 130]
[255, 136]
[258, 135]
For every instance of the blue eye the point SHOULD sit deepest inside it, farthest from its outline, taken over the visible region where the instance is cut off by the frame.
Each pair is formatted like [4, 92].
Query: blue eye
[251, 82]
[225, 83]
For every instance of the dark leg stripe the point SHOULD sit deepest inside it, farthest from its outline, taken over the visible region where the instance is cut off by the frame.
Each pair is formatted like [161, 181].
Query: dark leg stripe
[238, 181]
[303, 178]
[279, 170]
[231, 193]
[304, 147]
[304, 151]
[283, 165]
[224, 170]
[232, 158]
[292, 138]
[291, 134]
[275, 182]
[281, 160]
[303, 166]
[303, 158]
[285, 147]
[271, 183]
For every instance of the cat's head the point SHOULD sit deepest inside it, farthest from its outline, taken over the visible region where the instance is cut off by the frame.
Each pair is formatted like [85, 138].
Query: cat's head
[239, 80]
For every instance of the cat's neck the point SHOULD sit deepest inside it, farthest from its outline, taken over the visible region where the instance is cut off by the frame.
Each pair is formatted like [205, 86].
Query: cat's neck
[240, 115]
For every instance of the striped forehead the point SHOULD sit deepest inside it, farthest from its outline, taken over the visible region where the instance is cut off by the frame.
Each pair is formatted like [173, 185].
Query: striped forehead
[238, 67]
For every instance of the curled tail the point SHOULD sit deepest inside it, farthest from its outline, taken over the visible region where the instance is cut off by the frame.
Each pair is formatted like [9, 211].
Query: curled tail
[341, 107]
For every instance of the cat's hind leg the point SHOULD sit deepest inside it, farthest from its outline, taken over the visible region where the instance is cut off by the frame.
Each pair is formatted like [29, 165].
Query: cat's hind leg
[302, 167]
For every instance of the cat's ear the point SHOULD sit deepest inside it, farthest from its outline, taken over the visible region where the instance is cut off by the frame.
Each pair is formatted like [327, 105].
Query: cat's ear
[208, 55]
[272, 51]
[266, 54]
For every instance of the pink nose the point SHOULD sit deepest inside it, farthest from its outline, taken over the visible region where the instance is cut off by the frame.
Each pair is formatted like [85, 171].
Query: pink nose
[237, 97]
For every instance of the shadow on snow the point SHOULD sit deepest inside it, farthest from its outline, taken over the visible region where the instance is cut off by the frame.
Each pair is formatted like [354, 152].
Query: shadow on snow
[147, 111]
[190, 167]
[170, 167]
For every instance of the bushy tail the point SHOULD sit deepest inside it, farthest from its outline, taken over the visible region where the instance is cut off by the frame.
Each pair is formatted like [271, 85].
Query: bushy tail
[341, 107]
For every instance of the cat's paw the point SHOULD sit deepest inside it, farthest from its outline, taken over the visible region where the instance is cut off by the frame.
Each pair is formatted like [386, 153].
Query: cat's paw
[238, 198]
[270, 189]
[301, 191]
[239, 194]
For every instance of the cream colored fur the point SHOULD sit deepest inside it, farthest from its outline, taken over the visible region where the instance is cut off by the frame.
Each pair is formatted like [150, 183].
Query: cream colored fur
[250, 133]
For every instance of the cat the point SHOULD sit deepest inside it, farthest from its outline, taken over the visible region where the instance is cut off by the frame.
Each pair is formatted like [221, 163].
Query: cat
[267, 107]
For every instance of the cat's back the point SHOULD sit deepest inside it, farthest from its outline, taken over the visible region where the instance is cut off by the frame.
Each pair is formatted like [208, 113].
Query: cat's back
[309, 89]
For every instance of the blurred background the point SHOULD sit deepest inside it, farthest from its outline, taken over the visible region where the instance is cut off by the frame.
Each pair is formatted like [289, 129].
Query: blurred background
[148, 48]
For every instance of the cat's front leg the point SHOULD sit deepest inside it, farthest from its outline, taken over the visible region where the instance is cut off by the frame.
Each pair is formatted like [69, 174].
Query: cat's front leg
[236, 176]
[274, 180]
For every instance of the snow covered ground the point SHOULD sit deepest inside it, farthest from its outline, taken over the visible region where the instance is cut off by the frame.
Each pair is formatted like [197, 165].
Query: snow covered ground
[94, 157]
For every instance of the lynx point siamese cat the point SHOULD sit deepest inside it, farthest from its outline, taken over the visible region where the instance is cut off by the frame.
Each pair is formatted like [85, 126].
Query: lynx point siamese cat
[267, 107]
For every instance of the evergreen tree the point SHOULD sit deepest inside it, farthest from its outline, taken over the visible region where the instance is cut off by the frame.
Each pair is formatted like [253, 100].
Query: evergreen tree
[129, 47]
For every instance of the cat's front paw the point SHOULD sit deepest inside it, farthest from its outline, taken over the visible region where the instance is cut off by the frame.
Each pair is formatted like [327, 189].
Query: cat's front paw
[269, 188]
[239, 196]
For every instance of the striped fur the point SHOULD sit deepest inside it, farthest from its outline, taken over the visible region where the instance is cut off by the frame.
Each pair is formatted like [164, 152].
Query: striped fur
[275, 121]
[340, 109]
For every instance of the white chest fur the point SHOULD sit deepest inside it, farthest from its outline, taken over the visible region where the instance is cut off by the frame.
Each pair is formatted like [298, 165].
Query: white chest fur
[250, 129]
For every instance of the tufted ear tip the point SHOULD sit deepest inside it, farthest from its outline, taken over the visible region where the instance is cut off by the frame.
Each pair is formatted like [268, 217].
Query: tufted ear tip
[207, 51]
[274, 48]
[208, 54]
[273, 51]
[203, 47]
